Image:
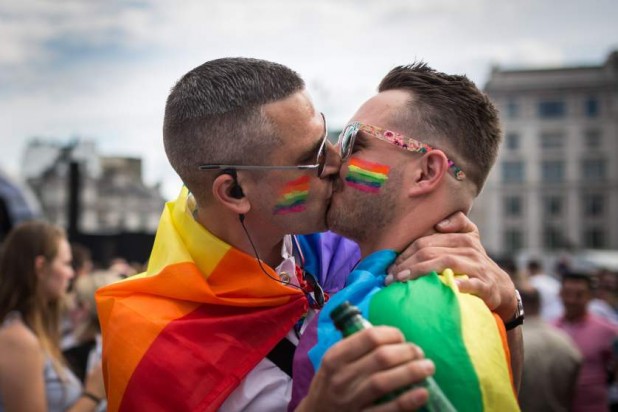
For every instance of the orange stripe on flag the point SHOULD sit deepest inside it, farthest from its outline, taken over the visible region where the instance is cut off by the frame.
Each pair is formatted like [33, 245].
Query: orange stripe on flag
[143, 317]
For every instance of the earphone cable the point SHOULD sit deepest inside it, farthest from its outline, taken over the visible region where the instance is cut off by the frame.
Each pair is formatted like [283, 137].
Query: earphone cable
[260, 260]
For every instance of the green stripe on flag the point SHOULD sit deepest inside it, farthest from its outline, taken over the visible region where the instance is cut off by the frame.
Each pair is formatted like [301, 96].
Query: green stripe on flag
[427, 312]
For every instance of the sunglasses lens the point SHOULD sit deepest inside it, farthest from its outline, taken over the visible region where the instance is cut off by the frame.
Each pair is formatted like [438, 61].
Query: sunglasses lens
[347, 140]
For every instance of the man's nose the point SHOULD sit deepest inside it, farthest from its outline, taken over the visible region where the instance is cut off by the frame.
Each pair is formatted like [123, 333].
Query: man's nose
[333, 161]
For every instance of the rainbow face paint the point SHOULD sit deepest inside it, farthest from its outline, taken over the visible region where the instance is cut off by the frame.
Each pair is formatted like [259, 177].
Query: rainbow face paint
[366, 176]
[293, 196]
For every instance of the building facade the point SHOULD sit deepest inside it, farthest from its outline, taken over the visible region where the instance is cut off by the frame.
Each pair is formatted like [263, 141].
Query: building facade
[555, 184]
[111, 194]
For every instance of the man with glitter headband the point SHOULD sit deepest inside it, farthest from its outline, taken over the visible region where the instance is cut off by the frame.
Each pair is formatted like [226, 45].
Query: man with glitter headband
[213, 322]
[417, 152]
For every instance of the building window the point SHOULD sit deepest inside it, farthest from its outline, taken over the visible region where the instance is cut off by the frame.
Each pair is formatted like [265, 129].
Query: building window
[552, 206]
[512, 141]
[592, 139]
[594, 238]
[593, 170]
[512, 206]
[594, 205]
[552, 109]
[512, 109]
[553, 238]
[552, 140]
[552, 171]
[591, 107]
[512, 172]
[513, 240]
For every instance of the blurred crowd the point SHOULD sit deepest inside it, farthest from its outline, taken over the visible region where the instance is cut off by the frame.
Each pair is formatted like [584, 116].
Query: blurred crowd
[49, 330]
[51, 342]
[570, 337]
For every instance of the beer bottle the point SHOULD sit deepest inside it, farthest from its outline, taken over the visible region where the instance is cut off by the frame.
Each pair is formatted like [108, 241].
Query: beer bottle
[348, 320]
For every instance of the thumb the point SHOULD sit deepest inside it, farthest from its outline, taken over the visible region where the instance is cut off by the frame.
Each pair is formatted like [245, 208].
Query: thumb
[456, 223]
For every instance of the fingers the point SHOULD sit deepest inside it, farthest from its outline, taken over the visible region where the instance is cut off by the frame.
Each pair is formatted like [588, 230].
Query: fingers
[429, 247]
[479, 288]
[462, 259]
[401, 276]
[494, 286]
[412, 400]
[464, 254]
[365, 367]
[359, 345]
[456, 223]
[394, 379]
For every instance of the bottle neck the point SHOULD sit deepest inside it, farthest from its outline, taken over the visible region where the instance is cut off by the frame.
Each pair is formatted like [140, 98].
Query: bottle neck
[354, 324]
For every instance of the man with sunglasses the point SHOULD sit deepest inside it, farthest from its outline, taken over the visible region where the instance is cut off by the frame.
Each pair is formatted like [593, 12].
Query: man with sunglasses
[227, 292]
[417, 152]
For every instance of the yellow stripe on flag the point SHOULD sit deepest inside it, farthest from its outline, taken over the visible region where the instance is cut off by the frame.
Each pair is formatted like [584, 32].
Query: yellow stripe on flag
[177, 222]
[484, 349]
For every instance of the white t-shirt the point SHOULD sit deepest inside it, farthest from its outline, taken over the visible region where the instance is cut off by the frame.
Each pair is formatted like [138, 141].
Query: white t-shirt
[549, 290]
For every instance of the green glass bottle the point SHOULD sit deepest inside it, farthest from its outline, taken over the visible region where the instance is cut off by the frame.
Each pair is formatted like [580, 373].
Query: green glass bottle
[349, 320]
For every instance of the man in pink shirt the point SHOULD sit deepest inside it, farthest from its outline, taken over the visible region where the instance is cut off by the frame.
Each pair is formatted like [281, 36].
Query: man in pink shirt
[594, 338]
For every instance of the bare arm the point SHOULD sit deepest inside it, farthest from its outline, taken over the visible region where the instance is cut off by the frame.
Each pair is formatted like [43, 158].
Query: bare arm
[457, 245]
[516, 345]
[362, 368]
[94, 386]
[22, 386]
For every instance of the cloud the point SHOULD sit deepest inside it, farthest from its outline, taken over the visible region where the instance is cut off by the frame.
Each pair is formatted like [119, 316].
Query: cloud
[103, 69]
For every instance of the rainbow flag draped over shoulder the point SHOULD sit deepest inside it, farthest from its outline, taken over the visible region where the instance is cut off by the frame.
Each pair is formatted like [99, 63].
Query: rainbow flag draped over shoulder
[182, 335]
[457, 331]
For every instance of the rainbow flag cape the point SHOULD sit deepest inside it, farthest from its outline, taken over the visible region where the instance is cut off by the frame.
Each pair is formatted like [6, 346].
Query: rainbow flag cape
[457, 331]
[182, 335]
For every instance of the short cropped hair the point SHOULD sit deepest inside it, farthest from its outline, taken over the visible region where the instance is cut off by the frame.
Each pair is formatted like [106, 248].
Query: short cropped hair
[534, 265]
[579, 277]
[213, 114]
[451, 110]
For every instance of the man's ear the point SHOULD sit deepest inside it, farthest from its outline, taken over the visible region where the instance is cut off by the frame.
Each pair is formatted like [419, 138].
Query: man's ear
[432, 168]
[227, 190]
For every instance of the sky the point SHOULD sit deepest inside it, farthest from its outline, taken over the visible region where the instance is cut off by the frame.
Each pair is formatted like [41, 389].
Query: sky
[101, 70]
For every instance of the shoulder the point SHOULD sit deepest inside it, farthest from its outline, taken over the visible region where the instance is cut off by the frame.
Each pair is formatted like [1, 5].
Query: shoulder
[557, 323]
[545, 282]
[603, 325]
[20, 349]
[21, 368]
[559, 340]
[16, 337]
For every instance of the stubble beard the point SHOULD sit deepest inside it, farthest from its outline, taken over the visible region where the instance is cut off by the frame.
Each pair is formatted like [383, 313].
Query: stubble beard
[362, 216]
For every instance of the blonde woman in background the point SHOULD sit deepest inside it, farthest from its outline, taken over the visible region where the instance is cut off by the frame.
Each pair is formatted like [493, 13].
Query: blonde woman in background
[86, 351]
[35, 269]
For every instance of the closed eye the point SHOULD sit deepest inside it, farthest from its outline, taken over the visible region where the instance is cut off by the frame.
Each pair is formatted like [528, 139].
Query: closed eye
[359, 144]
[311, 155]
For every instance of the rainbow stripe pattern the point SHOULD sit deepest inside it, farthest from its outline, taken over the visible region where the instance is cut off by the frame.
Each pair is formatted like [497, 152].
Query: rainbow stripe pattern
[293, 196]
[457, 331]
[366, 176]
[182, 335]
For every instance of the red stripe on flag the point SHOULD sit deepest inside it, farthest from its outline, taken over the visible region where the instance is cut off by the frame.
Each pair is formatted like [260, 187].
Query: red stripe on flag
[199, 359]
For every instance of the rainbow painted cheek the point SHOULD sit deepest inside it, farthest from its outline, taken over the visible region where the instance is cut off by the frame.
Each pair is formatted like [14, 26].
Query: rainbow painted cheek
[366, 176]
[293, 196]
